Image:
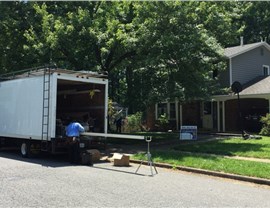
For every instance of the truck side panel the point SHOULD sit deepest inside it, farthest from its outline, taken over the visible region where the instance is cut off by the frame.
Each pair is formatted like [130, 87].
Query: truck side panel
[21, 104]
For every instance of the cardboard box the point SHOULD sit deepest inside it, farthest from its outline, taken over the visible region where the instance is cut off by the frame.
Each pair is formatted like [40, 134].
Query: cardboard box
[120, 159]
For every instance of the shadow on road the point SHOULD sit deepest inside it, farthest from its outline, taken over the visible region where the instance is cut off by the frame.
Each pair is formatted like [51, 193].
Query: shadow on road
[43, 159]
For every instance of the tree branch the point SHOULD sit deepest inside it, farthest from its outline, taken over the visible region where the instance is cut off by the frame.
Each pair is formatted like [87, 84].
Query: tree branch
[121, 58]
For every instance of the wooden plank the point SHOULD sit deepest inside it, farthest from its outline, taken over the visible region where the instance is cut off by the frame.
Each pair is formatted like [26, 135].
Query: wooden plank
[120, 136]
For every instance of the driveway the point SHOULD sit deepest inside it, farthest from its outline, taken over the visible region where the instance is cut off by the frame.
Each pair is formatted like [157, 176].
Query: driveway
[50, 181]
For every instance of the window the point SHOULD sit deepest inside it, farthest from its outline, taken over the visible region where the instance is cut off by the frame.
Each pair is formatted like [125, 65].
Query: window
[172, 111]
[162, 109]
[265, 70]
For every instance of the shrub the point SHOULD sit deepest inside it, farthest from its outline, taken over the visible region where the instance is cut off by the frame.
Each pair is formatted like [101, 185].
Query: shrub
[133, 123]
[266, 125]
[163, 122]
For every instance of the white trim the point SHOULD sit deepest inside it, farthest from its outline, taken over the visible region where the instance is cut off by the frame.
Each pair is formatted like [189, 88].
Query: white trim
[176, 114]
[230, 71]
[53, 105]
[223, 116]
[251, 48]
[181, 115]
[106, 108]
[232, 97]
[218, 117]
[267, 67]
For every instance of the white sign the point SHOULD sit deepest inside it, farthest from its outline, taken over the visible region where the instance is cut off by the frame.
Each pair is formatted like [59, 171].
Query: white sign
[188, 133]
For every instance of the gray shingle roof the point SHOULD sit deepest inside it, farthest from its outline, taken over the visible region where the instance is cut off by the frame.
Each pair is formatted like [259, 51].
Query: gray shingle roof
[260, 85]
[237, 50]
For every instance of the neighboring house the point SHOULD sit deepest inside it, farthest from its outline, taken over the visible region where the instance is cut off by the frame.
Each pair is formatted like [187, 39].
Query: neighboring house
[247, 64]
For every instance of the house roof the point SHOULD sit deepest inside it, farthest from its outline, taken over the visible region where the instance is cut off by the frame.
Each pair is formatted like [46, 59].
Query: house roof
[260, 85]
[237, 50]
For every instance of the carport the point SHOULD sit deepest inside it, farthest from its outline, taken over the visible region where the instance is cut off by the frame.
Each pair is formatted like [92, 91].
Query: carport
[254, 103]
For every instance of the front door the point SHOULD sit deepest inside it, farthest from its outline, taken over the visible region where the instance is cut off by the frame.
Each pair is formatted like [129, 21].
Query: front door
[207, 115]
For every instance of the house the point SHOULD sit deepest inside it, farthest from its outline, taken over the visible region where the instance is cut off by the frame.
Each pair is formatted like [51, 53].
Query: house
[247, 64]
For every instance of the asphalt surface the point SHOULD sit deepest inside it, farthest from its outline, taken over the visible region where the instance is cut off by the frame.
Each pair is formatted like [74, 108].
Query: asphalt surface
[51, 181]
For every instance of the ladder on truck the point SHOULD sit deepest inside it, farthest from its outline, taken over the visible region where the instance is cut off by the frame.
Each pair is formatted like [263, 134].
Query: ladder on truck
[46, 109]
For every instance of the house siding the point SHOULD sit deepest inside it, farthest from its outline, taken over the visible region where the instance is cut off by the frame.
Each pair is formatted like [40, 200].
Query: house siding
[224, 77]
[192, 114]
[248, 66]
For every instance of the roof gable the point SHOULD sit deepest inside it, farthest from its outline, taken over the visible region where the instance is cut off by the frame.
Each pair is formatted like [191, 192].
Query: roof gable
[238, 50]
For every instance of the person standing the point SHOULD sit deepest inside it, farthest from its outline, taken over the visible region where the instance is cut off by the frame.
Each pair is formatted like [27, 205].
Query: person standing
[119, 124]
[73, 131]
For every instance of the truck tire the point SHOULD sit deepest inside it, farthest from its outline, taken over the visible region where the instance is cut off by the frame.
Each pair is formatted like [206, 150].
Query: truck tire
[25, 149]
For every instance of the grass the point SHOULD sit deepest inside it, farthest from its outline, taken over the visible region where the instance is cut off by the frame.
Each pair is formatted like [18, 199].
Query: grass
[179, 156]
[231, 147]
[213, 163]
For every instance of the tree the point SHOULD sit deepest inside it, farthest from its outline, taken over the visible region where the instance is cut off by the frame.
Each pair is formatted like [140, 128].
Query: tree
[152, 51]
[15, 18]
[177, 52]
[256, 17]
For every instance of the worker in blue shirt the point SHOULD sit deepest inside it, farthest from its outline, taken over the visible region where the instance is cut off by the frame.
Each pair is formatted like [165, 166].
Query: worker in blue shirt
[73, 131]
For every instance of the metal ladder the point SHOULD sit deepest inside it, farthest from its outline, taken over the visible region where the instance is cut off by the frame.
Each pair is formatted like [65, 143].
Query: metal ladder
[46, 109]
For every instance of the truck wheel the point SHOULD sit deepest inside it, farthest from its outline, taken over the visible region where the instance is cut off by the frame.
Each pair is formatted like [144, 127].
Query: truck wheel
[25, 149]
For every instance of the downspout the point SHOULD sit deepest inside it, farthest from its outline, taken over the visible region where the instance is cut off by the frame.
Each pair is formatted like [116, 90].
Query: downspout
[230, 71]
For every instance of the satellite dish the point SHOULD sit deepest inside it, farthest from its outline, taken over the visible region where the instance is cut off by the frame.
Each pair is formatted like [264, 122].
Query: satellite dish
[236, 87]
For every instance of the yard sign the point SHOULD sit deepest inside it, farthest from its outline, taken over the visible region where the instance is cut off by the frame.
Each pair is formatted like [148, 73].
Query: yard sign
[188, 133]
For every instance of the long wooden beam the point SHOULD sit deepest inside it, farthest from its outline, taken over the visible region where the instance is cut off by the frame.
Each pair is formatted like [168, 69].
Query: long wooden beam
[120, 136]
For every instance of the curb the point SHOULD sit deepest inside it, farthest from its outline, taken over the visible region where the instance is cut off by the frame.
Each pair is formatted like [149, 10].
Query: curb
[207, 172]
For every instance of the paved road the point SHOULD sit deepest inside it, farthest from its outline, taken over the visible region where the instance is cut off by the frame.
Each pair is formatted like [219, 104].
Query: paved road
[52, 182]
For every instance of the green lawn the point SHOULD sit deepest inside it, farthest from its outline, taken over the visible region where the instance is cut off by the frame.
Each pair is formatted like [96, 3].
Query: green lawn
[259, 148]
[179, 156]
[213, 163]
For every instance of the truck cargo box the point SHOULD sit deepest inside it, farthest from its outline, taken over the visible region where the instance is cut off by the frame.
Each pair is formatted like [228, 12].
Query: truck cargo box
[37, 105]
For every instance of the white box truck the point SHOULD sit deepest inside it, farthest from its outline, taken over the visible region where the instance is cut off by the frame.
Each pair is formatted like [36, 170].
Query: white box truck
[36, 104]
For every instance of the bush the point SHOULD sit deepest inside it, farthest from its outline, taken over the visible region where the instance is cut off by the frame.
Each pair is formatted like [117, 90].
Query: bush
[163, 122]
[133, 123]
[266, 125]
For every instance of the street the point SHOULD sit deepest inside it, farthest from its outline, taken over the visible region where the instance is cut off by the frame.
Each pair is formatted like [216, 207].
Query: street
[50, 181]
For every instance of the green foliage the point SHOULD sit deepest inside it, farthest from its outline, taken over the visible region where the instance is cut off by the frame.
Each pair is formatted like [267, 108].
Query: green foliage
[163, 119]
[266, 125]
[152, 51]
[133, 123]
[163, 122]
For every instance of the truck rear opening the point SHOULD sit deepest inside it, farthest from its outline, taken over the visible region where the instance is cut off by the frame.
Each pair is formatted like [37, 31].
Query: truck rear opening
[80, 101]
